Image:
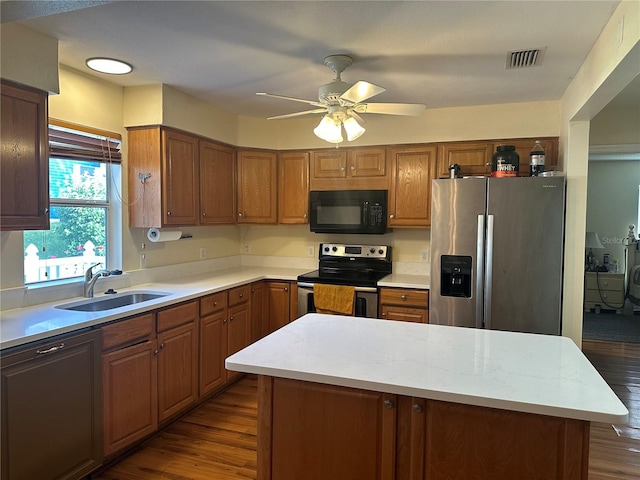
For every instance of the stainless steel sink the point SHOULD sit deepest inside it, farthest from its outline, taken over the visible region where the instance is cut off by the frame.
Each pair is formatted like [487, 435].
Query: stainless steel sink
[108, 302]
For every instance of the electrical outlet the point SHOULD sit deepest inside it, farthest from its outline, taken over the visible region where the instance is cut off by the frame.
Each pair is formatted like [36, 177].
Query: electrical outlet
[424, 255]
[203, 253]
[143, 261]
[247, 249]
[310, 251]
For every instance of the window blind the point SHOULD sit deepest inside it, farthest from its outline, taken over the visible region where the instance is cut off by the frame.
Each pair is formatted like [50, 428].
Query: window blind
[72, 141]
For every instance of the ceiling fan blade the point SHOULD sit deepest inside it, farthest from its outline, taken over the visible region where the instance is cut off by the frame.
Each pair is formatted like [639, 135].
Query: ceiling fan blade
[360, 91]
[356, 116]
[310, 102]
[297, 114]
[410, 109]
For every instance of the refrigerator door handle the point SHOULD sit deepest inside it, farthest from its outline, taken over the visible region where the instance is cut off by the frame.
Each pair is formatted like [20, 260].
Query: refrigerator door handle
[479, 271]
[488, 277]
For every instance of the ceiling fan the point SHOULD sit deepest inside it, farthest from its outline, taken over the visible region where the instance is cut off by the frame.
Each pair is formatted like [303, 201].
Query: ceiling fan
[342, 104]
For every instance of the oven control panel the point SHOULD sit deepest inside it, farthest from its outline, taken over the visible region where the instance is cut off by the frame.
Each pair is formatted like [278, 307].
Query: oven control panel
[358, 251]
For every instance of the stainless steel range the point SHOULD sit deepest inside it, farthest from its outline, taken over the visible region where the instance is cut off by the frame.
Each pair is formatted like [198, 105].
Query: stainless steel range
[360, 266]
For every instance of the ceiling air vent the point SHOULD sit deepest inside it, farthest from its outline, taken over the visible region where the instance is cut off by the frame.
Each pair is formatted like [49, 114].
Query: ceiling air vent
[525, 58]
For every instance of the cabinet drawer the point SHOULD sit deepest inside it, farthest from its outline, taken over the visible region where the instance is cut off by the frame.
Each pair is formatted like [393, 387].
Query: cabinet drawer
[239, 294]
[605, 282]
[172, 317]
[405, 297]
[613, 298]
[213, 303]
[127, 331]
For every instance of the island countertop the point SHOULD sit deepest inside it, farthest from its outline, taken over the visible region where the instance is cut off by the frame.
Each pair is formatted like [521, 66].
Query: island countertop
[531, 373]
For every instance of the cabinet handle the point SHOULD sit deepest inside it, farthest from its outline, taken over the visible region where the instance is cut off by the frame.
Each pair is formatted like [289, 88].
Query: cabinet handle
[342, 169]
[392, 216]
[204, 214]
[304, 216]
[403, 297]
[384, 314]
[50, 350]
[488, 164]
[215, 304]
[161, 346]
[239, 215]
[45, 210]
[241, 295]
[286, 289]
[231, 319]
[155, 352]
[168, 214]
[416, 407]
[353, 169]
[224, 320]
[388, 404]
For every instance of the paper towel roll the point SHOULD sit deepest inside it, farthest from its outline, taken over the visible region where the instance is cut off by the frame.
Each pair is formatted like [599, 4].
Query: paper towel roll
[155, 235]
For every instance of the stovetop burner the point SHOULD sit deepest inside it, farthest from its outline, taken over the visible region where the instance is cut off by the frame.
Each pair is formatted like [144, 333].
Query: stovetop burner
[357, 265]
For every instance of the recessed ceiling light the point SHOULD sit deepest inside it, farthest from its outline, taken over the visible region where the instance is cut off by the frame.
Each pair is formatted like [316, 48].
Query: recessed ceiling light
[109, 65]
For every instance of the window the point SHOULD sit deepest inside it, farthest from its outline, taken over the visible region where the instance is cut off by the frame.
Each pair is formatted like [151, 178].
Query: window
[84, 165]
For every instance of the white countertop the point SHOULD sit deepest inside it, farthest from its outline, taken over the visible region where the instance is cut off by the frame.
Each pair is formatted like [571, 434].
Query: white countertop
[24, 325]
[401, 280]
[522, 372]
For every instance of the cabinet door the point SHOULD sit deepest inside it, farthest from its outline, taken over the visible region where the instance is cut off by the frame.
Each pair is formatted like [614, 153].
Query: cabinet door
[279, 305]
[217, 184]
[180, 178]
[177, 369]
[257, 187]
[259, 311]
[24, 159]
[339, 433]
[293, 187]
[474, 158]
[130, 393]
[329, 164]
[404, 314]
[238, 331]
[51, 410]
[213, 349]
[412, 170]
[367, 162]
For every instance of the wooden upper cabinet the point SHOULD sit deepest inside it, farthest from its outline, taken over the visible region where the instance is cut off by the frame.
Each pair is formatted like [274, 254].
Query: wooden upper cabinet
[217, 184]
[357, 169]
[474, 158]
[257, 187]
[180, 178]
[412, 169]
[524, 146]
[168, 196]
[24, 159]
[293, 187]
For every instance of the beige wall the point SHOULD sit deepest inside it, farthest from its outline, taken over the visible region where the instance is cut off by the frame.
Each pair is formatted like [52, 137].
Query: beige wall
[616, 126]
[29, 57]
[606, 71]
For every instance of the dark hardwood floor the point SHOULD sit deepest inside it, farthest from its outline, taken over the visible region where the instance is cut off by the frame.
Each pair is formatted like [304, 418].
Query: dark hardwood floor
[217, 441]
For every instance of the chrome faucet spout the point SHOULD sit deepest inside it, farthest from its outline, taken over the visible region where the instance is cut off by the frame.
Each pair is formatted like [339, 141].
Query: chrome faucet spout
[91, 278]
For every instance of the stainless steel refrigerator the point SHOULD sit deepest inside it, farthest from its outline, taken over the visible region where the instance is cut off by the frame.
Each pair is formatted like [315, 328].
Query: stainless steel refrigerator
[497, 253]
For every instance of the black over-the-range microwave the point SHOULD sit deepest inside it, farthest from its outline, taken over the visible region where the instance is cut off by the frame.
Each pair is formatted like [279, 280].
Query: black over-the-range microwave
[348, 211]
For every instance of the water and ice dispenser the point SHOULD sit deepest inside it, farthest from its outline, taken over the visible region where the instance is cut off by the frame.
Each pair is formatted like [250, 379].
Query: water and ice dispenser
[455, 276]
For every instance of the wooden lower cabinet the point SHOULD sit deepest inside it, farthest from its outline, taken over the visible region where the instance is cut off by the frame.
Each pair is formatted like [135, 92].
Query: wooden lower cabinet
[239, 324]
[213, 342]
[259, 311]
[408, 305]
[324, 432]
[130, 392]
[279, 294]
[316, 431]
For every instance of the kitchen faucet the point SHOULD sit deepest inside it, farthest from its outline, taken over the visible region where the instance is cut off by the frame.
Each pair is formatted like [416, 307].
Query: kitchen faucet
[90, 279]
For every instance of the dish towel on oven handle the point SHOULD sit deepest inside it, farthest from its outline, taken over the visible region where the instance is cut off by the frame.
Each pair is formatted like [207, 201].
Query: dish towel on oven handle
[334, 299]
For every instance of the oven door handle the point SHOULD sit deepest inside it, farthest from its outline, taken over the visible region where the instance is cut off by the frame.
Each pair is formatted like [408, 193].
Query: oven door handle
[358, 289]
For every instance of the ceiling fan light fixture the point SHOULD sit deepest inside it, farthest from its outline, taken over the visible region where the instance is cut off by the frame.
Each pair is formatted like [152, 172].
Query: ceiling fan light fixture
[109, 65]
[329, 130]
[353, 128]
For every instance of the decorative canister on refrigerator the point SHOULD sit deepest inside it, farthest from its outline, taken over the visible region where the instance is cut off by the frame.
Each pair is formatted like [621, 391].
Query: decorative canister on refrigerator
[506, 162]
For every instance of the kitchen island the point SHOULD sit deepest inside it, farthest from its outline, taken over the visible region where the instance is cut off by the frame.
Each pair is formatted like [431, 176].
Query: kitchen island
[344, 398]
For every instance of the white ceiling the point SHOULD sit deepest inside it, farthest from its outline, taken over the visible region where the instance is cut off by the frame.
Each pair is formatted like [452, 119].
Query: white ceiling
[440, 53]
